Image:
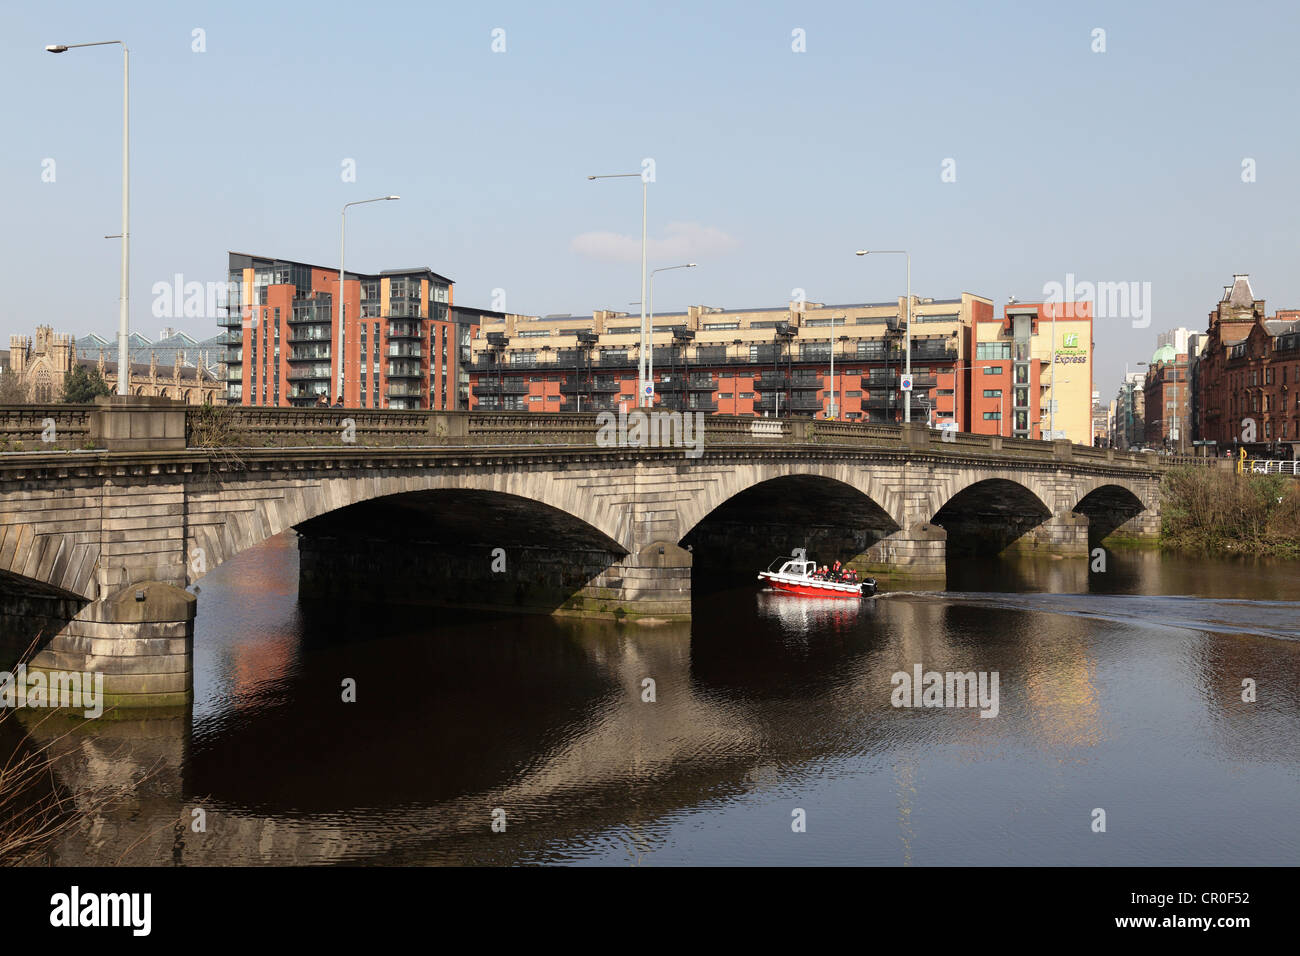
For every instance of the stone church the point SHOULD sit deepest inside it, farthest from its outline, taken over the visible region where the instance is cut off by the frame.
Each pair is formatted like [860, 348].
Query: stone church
[41, 366]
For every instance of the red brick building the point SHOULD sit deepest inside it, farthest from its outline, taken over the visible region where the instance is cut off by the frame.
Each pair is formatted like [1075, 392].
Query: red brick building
[1247, 379]
[400, 346]
[745, 362]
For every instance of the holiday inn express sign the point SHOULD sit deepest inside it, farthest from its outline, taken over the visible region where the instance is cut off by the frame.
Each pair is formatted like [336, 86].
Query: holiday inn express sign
[1070, 353]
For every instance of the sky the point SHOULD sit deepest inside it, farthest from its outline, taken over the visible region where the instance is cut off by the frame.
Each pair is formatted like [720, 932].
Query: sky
[1007, 146]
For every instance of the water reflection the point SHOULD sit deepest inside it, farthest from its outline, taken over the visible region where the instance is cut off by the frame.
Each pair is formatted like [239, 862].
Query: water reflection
[1115, 691]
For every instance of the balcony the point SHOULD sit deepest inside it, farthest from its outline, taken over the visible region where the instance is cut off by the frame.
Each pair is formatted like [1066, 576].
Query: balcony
[404, 350]
[403, 369]
[405, 330]
[312, 373]
[804, 381]
[589, 386]
[309, 353]
[680, 383]
[597, 404]
[768, 402]
[689, 403]
[402, 389]
[507, 386]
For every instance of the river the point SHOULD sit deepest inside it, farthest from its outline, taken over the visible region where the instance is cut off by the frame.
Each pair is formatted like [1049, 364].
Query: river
[771, 737]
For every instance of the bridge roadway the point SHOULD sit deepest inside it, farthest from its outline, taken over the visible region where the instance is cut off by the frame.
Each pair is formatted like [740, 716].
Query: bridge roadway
[110, 513]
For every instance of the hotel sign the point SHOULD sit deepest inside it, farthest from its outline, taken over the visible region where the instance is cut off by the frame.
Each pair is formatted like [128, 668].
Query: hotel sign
[1070, 353]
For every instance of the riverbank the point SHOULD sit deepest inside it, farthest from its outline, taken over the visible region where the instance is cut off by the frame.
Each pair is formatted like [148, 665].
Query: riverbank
[1207, 511]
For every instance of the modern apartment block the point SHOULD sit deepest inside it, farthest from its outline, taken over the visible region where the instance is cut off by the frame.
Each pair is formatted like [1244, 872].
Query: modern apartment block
[1013, 384]
[771, 361]
[282, 342]
[1247, 379]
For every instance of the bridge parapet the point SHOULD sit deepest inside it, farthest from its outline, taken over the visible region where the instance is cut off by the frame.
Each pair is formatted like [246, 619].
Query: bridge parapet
[96, 428]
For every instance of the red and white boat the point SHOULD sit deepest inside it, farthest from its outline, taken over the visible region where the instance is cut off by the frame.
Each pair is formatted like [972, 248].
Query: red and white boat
[795, 577]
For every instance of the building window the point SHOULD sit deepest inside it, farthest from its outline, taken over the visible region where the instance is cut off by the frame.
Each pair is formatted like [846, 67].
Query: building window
[992, 369]
[993, 416]
[992, 393]
[992, 350]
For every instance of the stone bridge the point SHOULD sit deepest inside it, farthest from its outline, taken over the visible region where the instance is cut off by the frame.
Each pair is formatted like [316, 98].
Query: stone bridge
[109, 514]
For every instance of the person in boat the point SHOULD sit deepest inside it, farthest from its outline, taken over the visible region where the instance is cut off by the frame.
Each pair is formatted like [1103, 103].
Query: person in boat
[835, 572]
[824, 573]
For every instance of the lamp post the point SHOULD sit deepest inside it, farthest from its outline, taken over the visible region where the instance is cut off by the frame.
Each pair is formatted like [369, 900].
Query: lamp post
[642, 399]
[907, 407]
[123, 332]
[835, 391]
[342, 248]
[650, 364]
[1051, 388]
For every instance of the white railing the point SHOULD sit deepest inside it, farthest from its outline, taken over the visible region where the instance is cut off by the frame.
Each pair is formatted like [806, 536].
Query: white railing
[1273, 466]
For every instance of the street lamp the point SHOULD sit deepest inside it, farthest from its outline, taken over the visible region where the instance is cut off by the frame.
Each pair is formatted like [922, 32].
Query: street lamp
[835, 391]
[342, 247]
[642, 398]
[123, 361]
[1051, 388]
[907, 407]
[650, 365]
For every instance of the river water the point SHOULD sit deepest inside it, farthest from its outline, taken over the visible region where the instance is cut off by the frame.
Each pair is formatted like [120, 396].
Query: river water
[771, 737]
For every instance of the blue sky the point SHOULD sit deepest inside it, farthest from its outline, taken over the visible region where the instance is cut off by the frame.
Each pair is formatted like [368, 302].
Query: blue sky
[771, 166]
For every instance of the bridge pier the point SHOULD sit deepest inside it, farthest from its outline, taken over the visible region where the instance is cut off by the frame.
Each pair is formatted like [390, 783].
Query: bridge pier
[141, 639]
[1065, 533]
[914, 557]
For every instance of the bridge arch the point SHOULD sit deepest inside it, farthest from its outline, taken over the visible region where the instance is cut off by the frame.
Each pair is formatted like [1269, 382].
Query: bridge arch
[209, 543]
[987, 514]
[726, 484]
[1109, 505]
[771, 514]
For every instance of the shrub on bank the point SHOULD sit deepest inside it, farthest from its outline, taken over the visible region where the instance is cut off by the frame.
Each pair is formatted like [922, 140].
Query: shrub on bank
[1219, 512]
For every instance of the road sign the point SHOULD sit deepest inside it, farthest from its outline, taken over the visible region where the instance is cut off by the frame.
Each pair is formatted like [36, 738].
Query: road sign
[906, 384]
[649, 389]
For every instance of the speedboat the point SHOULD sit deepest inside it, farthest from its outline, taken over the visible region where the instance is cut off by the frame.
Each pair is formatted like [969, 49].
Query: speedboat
[794, 576]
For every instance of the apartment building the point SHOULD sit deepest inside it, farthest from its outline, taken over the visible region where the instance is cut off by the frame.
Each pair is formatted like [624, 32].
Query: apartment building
[399, 344]
[803, 358]
[1035, 355]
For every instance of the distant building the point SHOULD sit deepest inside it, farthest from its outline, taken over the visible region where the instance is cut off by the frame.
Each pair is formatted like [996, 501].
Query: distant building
[42, 362]
[1012, 381]
[400, 344]
[1129, 427]
[1248, 375]
[760, 361]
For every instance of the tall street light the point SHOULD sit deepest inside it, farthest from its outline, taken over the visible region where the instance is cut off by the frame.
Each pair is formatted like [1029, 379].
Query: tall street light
[123, 362]
[642, 398]
[342, 247]
[650, 365]
[907, 407]
[835, 391]
[1051, 388]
